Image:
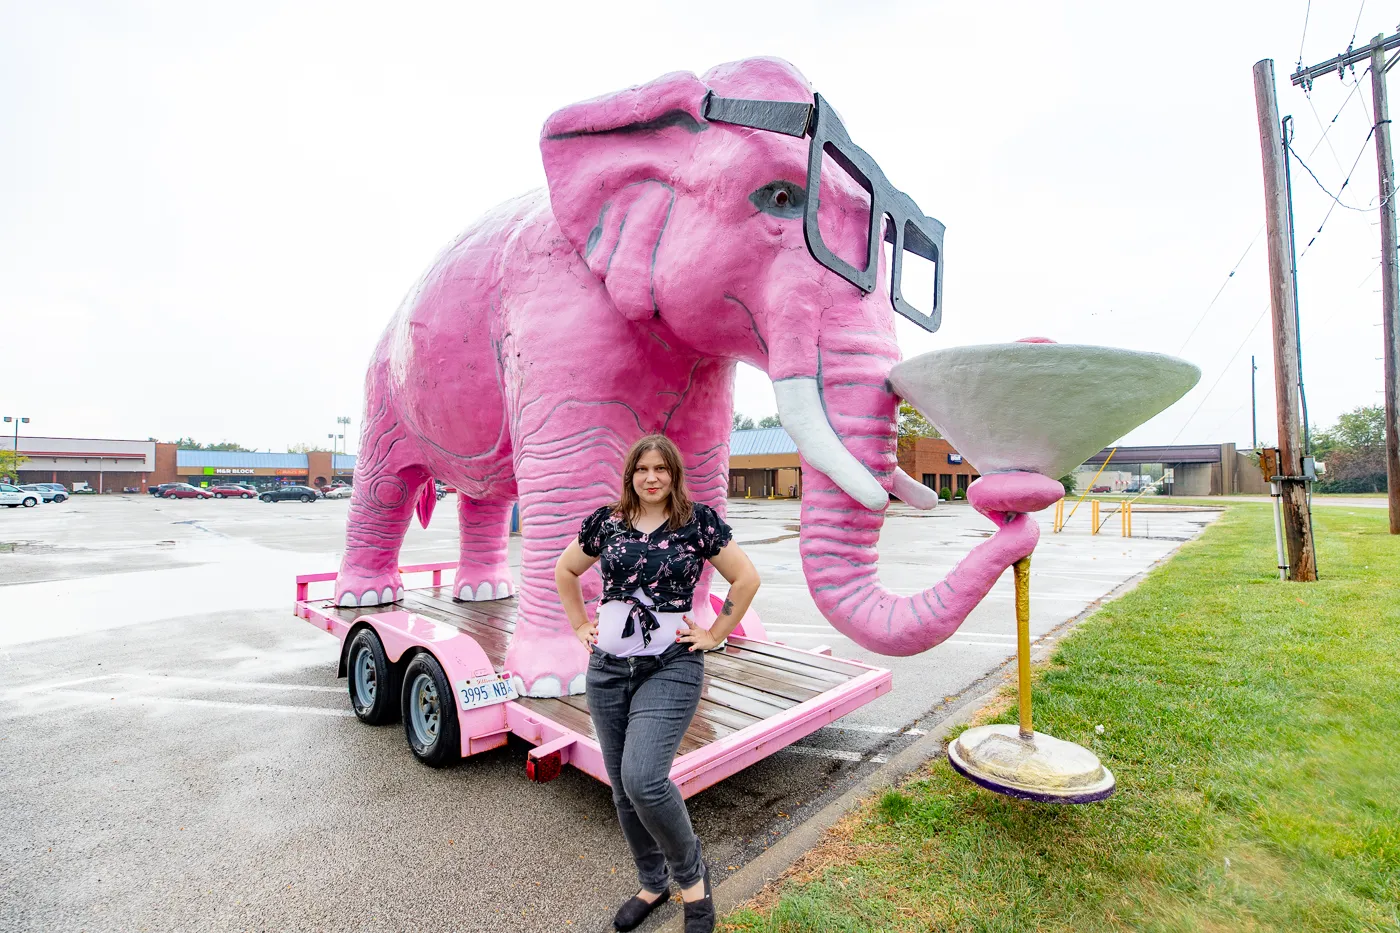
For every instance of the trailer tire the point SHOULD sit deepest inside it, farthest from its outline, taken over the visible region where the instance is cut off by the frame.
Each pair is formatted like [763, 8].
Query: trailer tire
[430, 713]
[374, 684]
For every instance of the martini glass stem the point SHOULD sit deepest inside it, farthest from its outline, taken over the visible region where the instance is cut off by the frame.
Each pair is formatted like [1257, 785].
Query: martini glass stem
[1023, 643]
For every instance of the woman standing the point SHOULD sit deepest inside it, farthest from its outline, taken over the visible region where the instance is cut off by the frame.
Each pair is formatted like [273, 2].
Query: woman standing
[647, 663]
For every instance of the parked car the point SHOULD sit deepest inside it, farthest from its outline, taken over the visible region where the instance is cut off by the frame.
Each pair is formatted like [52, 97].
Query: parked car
[14, 497]
[232, 492]
[160, 489]
[282, 493]
[47, 492]
[1100, 489]
[56, 487]
[186, 491]
[339, 492]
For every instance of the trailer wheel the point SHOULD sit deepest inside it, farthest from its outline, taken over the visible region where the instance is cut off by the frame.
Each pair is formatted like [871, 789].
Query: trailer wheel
[373, 687]
[430, 713]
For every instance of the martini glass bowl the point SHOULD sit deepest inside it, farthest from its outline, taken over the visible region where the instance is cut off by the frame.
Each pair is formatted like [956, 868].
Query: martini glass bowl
[1035, 407]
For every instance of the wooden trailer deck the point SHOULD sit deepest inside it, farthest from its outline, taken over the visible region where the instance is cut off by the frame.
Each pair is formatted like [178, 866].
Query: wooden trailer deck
[758, 696]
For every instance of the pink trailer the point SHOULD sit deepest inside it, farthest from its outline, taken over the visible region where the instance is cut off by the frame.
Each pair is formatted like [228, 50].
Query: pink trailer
[759, 695]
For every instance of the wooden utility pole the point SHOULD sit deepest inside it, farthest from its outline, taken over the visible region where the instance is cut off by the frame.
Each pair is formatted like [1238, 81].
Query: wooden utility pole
[1297, 524]
[1390, 281]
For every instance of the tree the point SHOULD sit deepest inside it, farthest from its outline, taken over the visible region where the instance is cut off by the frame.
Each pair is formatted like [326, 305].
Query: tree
[307, 449]
[742, 422]
[770, 421]
[10, 462]
[1354, 450]
[912, 423]
[1358, 429]
[189, 443]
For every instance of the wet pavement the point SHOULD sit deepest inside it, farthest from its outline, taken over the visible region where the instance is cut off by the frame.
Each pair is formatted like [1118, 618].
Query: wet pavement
[177, 753]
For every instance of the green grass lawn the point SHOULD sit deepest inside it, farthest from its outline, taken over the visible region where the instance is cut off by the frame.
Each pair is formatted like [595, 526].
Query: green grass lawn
[1254, 729]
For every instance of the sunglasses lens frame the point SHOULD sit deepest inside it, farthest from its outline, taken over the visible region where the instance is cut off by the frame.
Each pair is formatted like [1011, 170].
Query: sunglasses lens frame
[908, 229]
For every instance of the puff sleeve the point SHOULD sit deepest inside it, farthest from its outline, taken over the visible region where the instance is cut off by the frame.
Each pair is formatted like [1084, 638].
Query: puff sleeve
[592, 535]
[713, 531]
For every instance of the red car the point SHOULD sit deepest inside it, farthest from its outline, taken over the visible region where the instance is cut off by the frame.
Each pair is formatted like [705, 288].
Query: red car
[232, 492]
[186, 491]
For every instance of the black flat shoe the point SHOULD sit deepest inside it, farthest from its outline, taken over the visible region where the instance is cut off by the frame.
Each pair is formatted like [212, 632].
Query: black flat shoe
[700, 915]
[631, 914]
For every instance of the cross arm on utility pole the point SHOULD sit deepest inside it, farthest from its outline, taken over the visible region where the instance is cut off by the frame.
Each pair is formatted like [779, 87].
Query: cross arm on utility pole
[1304, 76]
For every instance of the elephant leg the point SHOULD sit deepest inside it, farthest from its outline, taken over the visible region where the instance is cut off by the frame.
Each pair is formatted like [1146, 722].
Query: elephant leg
[388, 479]
[483, 571]
[559, 484]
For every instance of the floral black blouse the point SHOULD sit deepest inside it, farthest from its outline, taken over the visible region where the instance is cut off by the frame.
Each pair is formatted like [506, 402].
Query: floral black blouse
[665, 564]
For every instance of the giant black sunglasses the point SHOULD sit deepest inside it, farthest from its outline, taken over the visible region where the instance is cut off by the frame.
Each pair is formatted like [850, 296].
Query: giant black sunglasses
[910, 228]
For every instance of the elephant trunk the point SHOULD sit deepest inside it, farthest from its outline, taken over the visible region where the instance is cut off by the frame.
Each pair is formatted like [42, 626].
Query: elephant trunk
[839, 534]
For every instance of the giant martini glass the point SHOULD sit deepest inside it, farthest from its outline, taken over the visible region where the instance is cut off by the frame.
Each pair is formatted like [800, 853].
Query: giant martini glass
[1037, 407]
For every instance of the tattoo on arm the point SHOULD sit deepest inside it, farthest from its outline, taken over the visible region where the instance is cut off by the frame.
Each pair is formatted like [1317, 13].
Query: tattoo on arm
[728, 607]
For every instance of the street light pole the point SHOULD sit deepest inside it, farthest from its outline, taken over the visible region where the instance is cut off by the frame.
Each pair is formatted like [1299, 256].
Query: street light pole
[18, 421]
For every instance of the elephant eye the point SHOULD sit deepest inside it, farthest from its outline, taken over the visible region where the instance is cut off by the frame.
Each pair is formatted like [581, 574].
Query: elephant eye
[780, 198]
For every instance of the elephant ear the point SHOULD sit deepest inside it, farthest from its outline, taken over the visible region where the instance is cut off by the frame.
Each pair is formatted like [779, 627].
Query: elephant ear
[611, 165]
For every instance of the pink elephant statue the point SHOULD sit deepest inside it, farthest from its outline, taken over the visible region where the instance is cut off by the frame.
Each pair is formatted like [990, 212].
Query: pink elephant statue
[670, 243]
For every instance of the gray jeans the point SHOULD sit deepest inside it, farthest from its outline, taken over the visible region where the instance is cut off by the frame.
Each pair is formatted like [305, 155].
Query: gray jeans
[641, 708]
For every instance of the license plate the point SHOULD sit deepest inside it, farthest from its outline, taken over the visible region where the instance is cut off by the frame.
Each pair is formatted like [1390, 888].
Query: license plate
[486, 691]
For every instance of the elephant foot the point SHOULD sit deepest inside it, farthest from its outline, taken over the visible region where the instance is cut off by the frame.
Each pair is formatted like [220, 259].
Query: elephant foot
[476, 582]
[358, 590]
[546, 664]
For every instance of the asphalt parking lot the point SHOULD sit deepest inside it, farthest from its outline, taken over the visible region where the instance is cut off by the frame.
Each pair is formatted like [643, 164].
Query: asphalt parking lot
[176, 752]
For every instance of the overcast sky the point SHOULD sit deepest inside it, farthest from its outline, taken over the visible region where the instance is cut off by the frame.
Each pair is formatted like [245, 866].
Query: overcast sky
[208, 212]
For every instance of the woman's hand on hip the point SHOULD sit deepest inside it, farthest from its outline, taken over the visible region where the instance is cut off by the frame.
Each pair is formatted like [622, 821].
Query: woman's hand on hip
[587, 634]
[699, 639]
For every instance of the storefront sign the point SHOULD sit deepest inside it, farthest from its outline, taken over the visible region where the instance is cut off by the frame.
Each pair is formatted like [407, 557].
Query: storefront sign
[225, 471]
[955, 458]
[292, 472]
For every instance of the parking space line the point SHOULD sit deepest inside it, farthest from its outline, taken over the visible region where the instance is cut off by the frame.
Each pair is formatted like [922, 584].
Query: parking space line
[233, 684]
[837, 753]
[42, 687]
[138, 699]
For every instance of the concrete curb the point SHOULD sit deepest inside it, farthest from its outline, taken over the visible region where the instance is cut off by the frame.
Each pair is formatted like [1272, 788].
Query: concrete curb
[769, 867]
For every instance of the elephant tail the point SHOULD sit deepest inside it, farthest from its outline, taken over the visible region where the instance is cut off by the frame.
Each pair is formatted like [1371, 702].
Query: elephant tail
[427, 498]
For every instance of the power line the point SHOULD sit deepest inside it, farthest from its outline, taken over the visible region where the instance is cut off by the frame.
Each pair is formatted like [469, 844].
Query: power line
[1306, 14]
[1221, 289]
[1223, 371]
[1334, 197]
[1335, 202]
[1354, 28]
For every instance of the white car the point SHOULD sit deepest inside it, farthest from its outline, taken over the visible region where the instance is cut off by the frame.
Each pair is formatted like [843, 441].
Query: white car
[14, 497]
[339, 492]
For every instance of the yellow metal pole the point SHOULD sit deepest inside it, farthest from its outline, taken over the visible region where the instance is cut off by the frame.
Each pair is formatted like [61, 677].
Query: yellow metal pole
[1128, 518]
[1094, 517]
[1023, 644]
[1059, 516]
[1091, 483]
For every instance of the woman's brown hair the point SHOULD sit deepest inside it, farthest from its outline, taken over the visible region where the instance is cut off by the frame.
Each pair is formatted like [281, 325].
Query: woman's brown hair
[680, 509]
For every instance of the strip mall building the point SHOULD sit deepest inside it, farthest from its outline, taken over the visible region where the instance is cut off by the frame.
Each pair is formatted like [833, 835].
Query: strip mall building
[763, 463]
[117, 466]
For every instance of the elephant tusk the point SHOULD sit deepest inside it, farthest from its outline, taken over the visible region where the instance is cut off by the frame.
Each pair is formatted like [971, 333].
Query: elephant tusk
[912, 492]
[800, 408]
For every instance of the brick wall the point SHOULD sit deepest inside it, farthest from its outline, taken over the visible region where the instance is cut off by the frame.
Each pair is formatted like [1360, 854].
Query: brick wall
[926, 459]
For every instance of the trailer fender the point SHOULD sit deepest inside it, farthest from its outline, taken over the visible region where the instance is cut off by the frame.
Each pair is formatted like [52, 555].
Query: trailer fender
[404, 634]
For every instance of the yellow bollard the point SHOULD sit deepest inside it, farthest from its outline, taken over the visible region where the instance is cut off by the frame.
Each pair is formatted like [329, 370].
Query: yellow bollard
[1059, 516]
[1094, 517]
[1126, 514]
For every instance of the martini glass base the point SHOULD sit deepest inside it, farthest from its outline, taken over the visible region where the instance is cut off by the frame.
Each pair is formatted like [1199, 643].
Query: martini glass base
[1042, 768]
